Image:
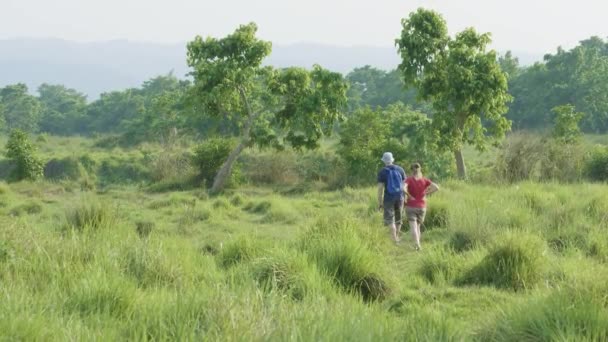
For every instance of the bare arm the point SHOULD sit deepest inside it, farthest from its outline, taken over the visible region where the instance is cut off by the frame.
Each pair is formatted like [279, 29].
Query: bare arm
[431, 189]
[380, 193]
[407, 194]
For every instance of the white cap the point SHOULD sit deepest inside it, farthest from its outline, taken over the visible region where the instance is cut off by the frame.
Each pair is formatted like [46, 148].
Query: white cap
[387, 157]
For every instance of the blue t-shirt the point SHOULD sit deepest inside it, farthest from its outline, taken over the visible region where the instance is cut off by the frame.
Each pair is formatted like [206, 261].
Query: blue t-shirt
[383, 177]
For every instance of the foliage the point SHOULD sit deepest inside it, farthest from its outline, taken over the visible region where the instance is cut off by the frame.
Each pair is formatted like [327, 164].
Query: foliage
[578, 77]
[525, 156]
[566, 124]
[292, 105]
[23, 154]
[515, 262]
[209, 156]
[19, 109]
[368, 133]
[463, 82]
[111, 110]
[63, 110]
[596, 167]
[375, 88]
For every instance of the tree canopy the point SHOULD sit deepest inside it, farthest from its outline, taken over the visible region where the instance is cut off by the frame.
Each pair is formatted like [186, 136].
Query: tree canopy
[461, 80]
[275, 107]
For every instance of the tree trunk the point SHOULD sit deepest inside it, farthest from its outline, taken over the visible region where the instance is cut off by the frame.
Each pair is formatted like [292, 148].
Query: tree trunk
[460, 166]
[222, 175]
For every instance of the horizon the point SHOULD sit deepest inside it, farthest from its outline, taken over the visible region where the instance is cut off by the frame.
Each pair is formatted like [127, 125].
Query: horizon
[536, 27]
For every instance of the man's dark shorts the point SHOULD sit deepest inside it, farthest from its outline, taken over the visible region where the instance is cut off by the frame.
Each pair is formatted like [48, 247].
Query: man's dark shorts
[393, 212]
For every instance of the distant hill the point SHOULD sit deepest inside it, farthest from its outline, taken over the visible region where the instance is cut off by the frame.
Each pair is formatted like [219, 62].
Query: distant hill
[97, 67]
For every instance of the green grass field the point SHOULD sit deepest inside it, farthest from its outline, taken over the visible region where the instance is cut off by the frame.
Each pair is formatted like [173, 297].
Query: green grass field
[524, 262]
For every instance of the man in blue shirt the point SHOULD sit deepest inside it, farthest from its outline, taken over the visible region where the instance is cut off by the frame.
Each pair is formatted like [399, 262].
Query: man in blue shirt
[391, 194]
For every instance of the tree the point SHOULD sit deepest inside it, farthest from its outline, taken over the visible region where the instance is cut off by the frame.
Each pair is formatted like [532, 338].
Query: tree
[462, 81]
[22, 153]
[20, 109]
[509, 65]
[578, 77]
[112, 110]
[378, 88]
[566, 127]
[63, 109]
[293, 106]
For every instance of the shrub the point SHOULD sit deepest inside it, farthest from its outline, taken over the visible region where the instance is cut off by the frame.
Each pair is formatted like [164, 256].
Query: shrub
[22, 153]
[68, 168]
[596, 167]
[272, 168]
[437, 215]
[518, 158]
[461, 241]
[121, 170]
[526, 156]
[515, 262]
[209, 157]
[440, 266]
[170, 166]
[90, 215]
[144, 228]
[288, 272]
[150, 267]
[242, 249]
[26, 208]
[345, 258]
[567, 315]
[101, 294]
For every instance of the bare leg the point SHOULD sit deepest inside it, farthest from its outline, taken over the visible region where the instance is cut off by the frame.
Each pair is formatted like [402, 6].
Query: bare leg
[394, 232]
[415, 229]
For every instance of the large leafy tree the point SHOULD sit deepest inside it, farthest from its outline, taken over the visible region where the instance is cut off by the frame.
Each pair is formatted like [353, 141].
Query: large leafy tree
[63, 109]
[271, 107]
[461, 80]
[20, 110]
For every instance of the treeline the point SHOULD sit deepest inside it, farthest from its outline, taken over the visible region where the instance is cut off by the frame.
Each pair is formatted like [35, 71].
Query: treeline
[161, 107]
[577, 77]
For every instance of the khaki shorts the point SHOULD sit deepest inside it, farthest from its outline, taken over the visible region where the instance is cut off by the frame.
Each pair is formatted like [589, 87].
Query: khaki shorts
[393, 212]
[415, 214]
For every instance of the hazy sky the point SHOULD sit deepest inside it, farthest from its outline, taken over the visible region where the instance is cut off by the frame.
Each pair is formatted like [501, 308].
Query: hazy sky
[535, 26]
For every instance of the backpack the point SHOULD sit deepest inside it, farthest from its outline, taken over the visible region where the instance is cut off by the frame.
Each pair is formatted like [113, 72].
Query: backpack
[394, 182]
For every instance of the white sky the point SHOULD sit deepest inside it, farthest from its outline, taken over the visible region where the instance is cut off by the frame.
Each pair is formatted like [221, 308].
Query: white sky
[535, 26]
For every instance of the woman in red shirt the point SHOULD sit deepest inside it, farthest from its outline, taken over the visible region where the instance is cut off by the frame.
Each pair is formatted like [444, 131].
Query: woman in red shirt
[416, 189]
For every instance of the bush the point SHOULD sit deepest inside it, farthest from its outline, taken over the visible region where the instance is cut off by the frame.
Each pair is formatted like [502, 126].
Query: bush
[101, 294]
[437, 215]
[144, 228]
[26, 208]
[209, 157]
[526, 156]
[515, 262]
[90, 215]
[150, 267]
[288, 272]
[440, 266]
[22, 153]
[596, 167]
[242, 249]
[68, 168]
[122, 170]
[341, 254]
[567, 315]
[273, 168]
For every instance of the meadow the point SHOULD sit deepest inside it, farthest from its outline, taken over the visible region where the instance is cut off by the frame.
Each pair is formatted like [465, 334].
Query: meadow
[113, 261]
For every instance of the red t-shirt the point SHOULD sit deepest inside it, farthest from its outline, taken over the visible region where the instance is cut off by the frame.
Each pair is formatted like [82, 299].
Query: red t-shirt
[416, 188]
